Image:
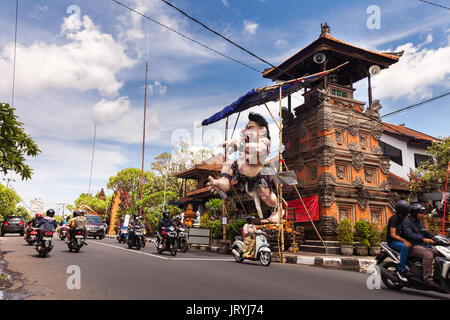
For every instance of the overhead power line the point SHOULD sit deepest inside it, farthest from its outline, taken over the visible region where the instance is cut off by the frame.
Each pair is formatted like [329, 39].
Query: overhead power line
[435, 4]
[185, 36]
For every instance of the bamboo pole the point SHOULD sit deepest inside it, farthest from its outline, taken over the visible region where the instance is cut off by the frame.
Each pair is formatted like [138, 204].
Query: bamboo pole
[143, 137]
[280, 187]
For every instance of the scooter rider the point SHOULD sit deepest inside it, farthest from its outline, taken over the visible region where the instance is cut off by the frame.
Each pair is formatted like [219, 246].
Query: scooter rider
[163, 225]
[48, 222]
[248, 232]
[415, 232]
[136, 221]
[33, 224]
[78, 222]
[394, 236]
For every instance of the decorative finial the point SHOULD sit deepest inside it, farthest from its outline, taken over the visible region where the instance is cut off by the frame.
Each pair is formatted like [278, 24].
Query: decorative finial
[324, 30]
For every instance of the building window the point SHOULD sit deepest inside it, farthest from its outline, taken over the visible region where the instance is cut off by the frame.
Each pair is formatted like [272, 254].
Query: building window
[345, 212]
[419, 158]
[393, 153]
[377, 216]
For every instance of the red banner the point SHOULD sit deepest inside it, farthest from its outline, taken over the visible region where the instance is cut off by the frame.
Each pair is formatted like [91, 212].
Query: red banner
[296, 211]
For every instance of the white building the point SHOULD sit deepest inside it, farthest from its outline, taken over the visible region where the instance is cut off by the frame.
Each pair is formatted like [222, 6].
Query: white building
[405, 147]
[37, 206]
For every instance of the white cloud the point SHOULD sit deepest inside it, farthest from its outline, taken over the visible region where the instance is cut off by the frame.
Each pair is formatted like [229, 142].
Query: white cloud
[225, 3]
[111, 110]
[415, 73]
[89, 60]
[157, 87]
[250, 27]
[281, 43]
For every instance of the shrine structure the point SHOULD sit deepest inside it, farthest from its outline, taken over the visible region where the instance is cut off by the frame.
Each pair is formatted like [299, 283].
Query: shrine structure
[331, 140]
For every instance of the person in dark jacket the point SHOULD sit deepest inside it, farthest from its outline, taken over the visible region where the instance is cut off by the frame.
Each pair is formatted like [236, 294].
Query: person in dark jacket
[164, 225]
[394, 236]
[421, 239]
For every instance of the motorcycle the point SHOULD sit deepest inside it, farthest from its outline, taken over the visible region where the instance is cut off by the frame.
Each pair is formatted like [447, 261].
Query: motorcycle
[138, 239]
[44, 242]
[263, 254]
[62, 232]
[76, 241]
[414, 268]
[32, 237]
[123, 234]
[170, 244]
[182, 239]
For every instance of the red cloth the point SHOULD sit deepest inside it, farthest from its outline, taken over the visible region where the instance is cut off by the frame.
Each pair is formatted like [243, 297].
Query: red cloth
[311, 203]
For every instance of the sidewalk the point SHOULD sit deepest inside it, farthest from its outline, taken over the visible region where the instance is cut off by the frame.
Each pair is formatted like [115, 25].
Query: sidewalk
[350, 263]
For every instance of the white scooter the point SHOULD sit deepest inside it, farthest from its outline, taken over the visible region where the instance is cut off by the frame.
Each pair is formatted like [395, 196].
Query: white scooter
[263, 254]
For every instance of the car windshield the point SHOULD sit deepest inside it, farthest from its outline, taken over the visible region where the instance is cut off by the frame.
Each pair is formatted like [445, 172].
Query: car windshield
[15, 219]
[93, 219]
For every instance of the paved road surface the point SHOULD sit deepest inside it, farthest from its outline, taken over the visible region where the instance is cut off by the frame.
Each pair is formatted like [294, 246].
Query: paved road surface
[112, 271]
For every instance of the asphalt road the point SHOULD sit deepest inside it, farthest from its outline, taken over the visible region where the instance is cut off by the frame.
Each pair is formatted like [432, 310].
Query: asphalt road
[109, 270]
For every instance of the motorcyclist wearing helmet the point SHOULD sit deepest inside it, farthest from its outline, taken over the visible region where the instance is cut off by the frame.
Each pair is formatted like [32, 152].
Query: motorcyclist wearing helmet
[135, 221]
[33, 224]
[248, 233]
[415, 232]
[48, 222]
[394, 236]
[164, 225]
[78, 222]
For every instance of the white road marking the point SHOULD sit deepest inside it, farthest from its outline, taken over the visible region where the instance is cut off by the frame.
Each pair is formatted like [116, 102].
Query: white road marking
[160, 257]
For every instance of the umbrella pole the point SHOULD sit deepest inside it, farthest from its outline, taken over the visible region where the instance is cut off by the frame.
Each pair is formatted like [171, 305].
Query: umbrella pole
[280, 187]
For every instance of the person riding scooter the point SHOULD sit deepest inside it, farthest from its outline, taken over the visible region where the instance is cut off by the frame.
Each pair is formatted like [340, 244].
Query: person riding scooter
[135, 221]
[163, 226]
[248, 233]
[394, 236]
[33, 224]
[415, 232]
[48, 223]
[78, 222]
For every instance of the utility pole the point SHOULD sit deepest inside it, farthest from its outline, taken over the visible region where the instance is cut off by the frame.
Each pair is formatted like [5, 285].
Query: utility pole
[92, 160]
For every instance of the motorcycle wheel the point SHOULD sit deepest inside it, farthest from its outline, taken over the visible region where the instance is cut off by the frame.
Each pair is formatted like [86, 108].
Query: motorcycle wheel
[130, 245]
[173, 249]
[265, 258]
[392, 267]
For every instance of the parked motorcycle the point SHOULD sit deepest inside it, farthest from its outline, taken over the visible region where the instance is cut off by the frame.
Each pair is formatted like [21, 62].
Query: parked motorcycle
[76, 241]
[62, 232]
[263, 254]
[122, 236]
[137, 239]
[32, 237]
[182, 239]
[414, 272]
[170, 244]
[44, 242]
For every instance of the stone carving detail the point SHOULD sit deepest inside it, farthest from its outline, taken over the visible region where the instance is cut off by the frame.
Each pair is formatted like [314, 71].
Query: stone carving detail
[327, 185]
[358, 183]
[353, 146]
[326, 156]
[326, 141]
[376, 130]
[299, 163]
[340, 171]
[362, 192]
[339, 136]
[353, 125]
[386, 186]
[377, 150]
[392, 199]
[374, 109]
[327, 225]
[313, 172]
[363, 141]
[368, 175]
[385, 165]
[326, 120]
[303, 130]
[358, 159]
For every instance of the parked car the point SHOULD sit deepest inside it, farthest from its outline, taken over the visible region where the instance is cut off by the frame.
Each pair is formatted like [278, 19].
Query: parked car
[13, 224]
[95, 227]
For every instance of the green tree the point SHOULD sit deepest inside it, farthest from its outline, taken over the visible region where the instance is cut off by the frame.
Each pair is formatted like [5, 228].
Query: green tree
[431, 175]
[21, 211]
[345, 232]
[96, 204]
[8, 202]
[15, 144]
[214, 207]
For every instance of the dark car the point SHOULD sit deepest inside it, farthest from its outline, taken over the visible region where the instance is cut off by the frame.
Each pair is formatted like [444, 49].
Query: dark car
[13, 224]
[95, 227]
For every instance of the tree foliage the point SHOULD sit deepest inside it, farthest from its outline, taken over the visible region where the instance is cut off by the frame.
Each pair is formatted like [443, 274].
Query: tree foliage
[431, 175]
[96, 204]
[15, 144]
[8, 202]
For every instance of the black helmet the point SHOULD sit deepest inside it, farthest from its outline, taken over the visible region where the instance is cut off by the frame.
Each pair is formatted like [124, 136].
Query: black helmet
[416, 208]
[50, 213]
[75, 213]
[166, 214]
[136, 216]
[250, 219]
[402, 207]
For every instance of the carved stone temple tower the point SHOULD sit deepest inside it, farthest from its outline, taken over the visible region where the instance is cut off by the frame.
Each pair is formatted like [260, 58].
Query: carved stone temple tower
[332, 140]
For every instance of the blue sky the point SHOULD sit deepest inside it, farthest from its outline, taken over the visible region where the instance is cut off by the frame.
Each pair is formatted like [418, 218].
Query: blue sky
[74, 70]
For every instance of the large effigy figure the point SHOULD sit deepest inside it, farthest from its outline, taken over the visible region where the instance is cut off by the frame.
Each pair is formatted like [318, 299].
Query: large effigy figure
[254, 148]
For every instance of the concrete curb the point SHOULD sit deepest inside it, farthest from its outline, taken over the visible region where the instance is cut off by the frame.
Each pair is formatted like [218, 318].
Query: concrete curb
[363, 265]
